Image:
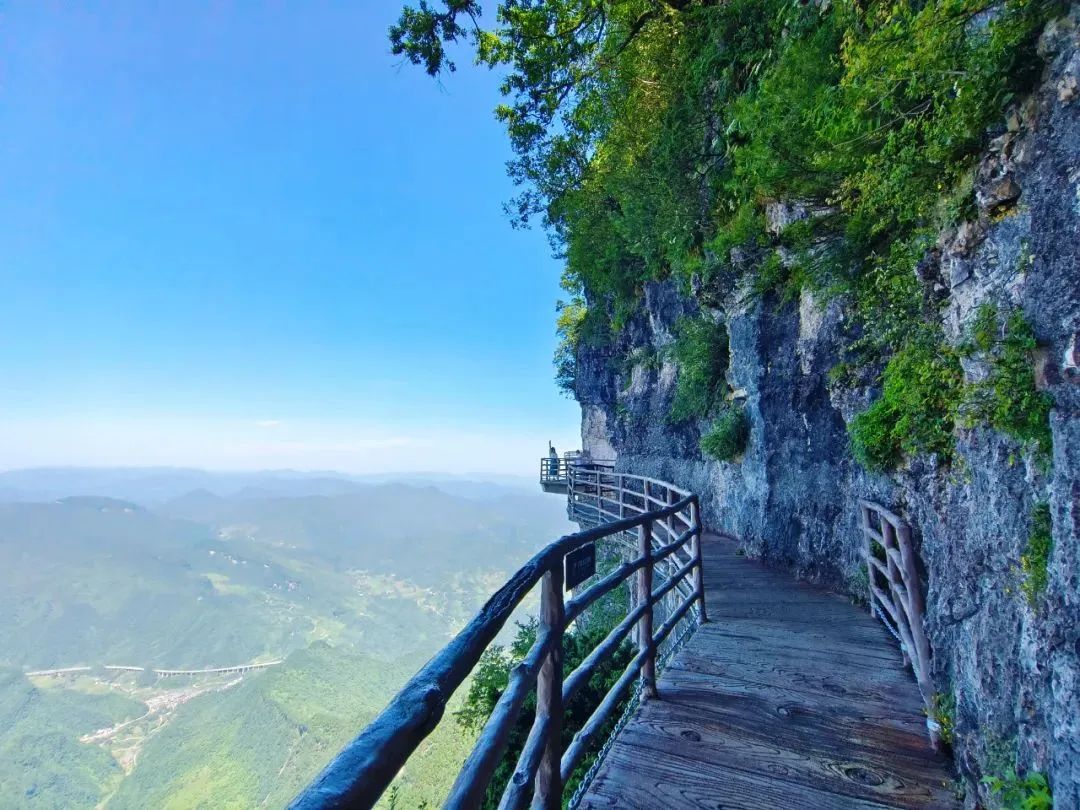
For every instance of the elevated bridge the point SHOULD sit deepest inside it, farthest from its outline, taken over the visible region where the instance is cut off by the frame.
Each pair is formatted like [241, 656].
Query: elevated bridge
[161, 673]
[748, 689]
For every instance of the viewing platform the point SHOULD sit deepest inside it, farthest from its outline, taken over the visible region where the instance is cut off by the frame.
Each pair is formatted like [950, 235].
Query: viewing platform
[555, 471]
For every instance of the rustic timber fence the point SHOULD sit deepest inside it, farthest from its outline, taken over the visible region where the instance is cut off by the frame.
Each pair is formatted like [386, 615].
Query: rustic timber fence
[901, 598]
[666, 523]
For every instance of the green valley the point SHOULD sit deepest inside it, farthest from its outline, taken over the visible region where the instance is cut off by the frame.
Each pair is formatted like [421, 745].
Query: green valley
[340, 597]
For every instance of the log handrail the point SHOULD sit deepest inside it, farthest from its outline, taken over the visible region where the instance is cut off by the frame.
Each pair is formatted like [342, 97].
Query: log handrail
[901, 599]
[664, 521]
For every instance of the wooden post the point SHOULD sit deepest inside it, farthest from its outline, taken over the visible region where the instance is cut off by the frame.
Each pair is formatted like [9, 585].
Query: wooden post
[888, 534]
[548, 795]
[645, 624]
[695, 551]
[915, 610]
[671, 499]
[869, 553]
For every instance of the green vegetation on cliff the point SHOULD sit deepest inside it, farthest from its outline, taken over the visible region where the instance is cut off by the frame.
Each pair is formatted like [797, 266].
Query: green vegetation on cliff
[653, 136]
[1036, 556]
[1008, 398]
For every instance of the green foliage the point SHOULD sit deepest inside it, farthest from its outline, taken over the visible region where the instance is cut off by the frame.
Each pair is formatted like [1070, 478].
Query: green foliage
[727, 437]
[492, 675]
[42, 762]
[984, 329]
[102, 581]
[1037, 554]
[922, 391]
[569, 326]
[263, 739]
[650, 135]
[943, 710]
[701, 351]
[859, 585]
[1028, 792]
[1008, 399]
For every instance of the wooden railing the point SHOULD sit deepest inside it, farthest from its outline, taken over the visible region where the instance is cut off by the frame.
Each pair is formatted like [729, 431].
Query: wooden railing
[665, 521]
[899, 604]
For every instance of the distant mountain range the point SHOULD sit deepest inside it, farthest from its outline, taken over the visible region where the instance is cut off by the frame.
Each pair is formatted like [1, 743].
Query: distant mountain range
[151, 486]
[352, 583]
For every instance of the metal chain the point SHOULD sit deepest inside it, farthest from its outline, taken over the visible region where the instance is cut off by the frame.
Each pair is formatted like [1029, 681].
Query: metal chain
[888, 626]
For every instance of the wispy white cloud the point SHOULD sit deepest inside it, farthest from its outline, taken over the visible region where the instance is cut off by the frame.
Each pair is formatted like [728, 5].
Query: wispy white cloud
[268, 424]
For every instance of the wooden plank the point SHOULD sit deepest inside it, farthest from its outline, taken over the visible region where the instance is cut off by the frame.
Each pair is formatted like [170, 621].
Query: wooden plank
[629, 781]
[843, 770]
[796, 725]
[790, 697]
[744, 679]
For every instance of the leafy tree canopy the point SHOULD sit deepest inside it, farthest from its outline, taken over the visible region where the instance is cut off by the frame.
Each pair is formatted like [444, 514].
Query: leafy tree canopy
[651, 137]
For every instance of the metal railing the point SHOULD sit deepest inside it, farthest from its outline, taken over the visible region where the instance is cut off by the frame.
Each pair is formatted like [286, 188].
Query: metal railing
[665, 521]
[554, 470]
[899, 604]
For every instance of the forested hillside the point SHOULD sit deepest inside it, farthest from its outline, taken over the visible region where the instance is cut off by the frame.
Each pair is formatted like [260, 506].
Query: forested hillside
[341, 595]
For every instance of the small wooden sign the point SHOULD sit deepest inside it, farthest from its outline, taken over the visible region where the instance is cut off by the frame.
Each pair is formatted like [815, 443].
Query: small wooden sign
[580, 565]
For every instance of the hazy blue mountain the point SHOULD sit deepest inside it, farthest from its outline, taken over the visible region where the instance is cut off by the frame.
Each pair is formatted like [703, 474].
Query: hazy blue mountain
[154, 486]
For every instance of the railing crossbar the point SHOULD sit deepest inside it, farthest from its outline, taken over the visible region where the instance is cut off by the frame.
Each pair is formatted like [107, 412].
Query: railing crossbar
[576, 606]
[580, 676]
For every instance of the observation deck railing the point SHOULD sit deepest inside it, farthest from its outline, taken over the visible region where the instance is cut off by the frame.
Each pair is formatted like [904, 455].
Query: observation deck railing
[555, 470]
[665, 522]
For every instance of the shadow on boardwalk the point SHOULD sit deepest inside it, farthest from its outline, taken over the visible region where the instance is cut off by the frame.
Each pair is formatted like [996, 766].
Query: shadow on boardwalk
[790, 697]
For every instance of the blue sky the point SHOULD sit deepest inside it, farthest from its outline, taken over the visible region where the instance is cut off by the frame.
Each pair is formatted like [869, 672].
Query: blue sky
[242, 235]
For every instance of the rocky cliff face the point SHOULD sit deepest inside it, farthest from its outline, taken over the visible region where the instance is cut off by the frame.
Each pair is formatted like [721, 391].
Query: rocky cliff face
[792, 496]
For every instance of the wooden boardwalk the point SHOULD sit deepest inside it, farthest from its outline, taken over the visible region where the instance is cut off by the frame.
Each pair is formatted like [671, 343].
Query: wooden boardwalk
[790, 697]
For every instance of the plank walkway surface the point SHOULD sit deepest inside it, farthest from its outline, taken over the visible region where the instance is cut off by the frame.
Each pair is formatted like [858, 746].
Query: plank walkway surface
[789, 697]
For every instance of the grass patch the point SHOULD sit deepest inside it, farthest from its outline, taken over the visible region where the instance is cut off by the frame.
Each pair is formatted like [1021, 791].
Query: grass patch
[701, 351]
[1036, 556]
[1007, 399]
[943, 710]
[727, 437]
[1028, 792]
[922, 390]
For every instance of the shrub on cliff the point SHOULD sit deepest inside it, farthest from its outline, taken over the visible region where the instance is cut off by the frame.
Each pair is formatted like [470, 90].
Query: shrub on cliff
[650, 137]
[1036, 556]
[701, 352]
[1008, 399]
[921, 393]
[492, 675]
[726, 439]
